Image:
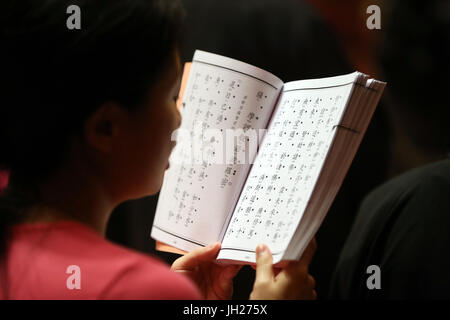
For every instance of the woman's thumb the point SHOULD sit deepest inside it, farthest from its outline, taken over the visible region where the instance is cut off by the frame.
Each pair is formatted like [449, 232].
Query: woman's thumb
[264, 262]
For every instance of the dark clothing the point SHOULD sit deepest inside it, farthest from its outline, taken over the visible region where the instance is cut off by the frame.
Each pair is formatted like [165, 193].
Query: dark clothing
[404, 228]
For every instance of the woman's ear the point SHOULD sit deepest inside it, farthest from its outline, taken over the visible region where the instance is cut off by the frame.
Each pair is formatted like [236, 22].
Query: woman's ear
[103, 126]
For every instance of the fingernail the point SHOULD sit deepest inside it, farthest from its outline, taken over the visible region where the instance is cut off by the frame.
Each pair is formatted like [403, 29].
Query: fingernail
[260, 249]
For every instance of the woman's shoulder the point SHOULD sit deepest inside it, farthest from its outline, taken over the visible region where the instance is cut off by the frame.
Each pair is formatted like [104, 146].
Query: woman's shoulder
[76, 262]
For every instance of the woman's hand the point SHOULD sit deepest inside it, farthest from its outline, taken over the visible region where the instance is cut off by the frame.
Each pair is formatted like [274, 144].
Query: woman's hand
[291, 282]
[214, 281]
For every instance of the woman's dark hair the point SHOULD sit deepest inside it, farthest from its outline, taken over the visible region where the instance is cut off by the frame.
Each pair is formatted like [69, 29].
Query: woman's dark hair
[52, 78]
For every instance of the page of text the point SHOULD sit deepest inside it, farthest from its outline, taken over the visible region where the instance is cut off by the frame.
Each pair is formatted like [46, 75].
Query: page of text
[287, 166]
[225, 104]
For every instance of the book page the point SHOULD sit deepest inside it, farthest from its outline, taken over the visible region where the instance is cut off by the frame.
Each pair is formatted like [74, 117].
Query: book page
[161, 246]
[350, 133]
[225, 104]
[287, 167]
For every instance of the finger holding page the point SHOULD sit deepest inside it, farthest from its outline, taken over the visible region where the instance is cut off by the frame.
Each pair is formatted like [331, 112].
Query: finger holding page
[215, 281]
[264, 264]
[299, 268]
[192, 260]
[292, 281]
[295, 274]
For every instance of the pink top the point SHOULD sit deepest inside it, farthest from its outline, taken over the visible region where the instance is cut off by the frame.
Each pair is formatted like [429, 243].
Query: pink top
[40, 256]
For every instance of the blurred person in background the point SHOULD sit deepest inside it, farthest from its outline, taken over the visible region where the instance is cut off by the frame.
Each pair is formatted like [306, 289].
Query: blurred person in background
[403, 227]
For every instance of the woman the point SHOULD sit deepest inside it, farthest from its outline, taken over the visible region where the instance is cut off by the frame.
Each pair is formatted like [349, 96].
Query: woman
[87, 116]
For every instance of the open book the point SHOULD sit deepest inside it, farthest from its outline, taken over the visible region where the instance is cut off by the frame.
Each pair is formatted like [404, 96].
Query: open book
[258, 160]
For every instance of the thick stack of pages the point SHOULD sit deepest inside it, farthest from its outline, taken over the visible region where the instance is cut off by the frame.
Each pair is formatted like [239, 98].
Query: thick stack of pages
[348, 133]
[258, 160]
